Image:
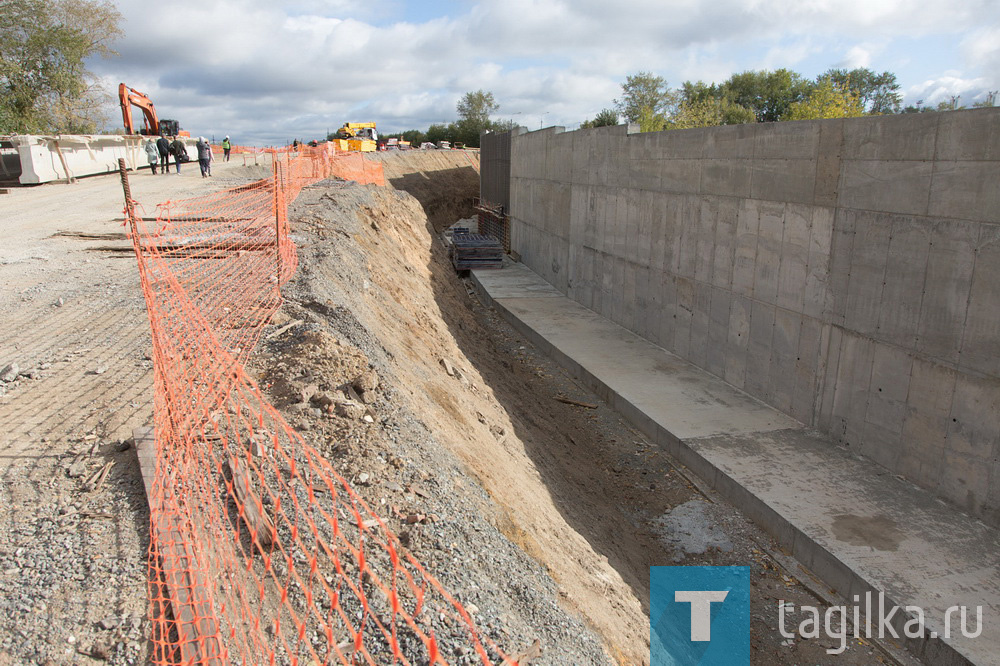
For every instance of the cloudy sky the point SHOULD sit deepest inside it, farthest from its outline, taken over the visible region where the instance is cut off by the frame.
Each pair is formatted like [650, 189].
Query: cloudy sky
[267, 71]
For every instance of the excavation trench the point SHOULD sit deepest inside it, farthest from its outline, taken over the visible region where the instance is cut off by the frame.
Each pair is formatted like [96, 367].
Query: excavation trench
[542, 516]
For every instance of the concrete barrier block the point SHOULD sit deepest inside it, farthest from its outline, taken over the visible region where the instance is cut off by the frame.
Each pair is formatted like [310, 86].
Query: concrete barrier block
[794, 255]
[966, 190]
[683, 176]
[726, 177]
[947, 288]
[745, 255]
[867, 272]
[980, 343]
[769, 235]
[898, 137]
[892, 187]
[787, 140]
[730, 142]
[970, 134]
[738, 340]
[724, 256]
[790, 180]
[903, 289]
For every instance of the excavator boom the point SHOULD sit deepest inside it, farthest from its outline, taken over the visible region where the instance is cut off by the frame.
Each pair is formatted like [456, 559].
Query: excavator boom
[152, 125]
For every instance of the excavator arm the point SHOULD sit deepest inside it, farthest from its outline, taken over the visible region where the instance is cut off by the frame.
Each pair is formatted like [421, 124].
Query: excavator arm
[128, 97]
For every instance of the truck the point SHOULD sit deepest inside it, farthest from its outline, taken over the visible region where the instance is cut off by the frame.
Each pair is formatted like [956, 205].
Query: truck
[152, 124]
[357, 137]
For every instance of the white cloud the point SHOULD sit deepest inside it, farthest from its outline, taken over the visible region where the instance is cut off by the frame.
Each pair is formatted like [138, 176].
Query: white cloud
[263, 70]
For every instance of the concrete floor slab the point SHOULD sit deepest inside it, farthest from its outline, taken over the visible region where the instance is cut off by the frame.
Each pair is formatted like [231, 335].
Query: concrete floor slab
[853, 523]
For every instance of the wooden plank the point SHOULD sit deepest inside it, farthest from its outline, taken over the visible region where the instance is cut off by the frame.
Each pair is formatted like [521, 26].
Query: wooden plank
[194, 618]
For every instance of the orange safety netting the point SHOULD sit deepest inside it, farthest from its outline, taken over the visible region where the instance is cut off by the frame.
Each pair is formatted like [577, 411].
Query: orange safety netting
[260, 552]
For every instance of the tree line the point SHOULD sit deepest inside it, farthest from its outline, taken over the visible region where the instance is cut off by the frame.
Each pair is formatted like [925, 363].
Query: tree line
[760, 96]
[474, 111]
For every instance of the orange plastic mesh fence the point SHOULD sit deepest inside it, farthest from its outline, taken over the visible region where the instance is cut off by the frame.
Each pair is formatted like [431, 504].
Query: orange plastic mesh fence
[260, 552]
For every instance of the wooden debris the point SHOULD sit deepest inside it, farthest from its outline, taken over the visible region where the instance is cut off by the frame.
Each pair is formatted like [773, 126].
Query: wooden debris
[576, 403]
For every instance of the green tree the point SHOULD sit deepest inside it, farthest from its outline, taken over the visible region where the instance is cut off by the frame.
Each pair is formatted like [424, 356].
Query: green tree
[435, 133]
[646, 100]
[768, 94]
[827, 100]
[708, 112]
[879, 93]
[606, 118]
[474, 111]
[44, 83]
[990, 101]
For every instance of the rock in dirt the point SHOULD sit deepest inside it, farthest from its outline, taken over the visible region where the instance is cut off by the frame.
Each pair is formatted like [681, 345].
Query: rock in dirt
[76, 470]
[321, 400]
[449, 368]
[350, 409]
[10, 372]
[366, 381]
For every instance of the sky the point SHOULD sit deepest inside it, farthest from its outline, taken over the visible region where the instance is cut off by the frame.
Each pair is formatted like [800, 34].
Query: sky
[267, 71]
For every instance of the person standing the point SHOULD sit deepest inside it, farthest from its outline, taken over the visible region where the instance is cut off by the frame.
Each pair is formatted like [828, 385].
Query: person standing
[152, 154]
[226, 147]
[163, 147]
[204, 157]
[180, 153]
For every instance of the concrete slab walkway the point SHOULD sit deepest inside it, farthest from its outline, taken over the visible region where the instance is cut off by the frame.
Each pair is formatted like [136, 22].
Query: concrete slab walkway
[857, 526]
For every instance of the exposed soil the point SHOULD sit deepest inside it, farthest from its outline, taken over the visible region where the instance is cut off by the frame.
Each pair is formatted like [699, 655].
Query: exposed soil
[542, 517]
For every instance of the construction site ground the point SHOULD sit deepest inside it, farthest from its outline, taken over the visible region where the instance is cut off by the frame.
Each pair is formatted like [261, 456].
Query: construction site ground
[535, 503]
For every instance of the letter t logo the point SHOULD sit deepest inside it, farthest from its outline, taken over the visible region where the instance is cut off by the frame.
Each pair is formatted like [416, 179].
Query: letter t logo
[701, 610]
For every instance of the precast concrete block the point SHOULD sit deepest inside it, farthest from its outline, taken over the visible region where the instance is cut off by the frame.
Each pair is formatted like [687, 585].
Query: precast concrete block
[981, 343]
[724, 257]
[708, 215]
[867, 272]
[971, 134]
[816, 297]
[892, 187]
[927, 421]
[758, 371]
[730, 142]
[794, 257]
[895, 137]
[718, 331]
[966, 190]
[784, 357]
[788, 140]
[745, 255]
[769, 235]
[947, 288]
[903, 289]
[728, 177]
[686, 144]
[680, 176]
[890, 383]
[789, 180]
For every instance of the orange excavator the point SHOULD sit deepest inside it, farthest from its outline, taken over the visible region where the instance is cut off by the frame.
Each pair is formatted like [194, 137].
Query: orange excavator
[152, 125]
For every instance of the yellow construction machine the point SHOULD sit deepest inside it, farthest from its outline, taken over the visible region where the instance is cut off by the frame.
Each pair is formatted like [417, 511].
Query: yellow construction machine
[357, 137]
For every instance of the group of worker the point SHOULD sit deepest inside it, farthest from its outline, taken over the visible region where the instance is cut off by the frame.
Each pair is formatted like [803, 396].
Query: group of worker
[159, 152]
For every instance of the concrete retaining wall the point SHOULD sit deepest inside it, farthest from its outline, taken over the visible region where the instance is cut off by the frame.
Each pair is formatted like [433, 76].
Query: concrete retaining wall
[846, 272]
[494, 174]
